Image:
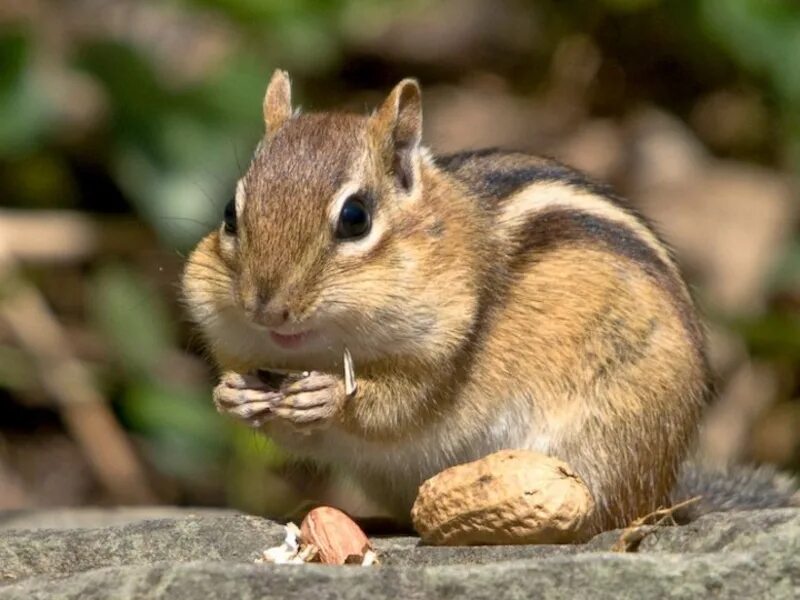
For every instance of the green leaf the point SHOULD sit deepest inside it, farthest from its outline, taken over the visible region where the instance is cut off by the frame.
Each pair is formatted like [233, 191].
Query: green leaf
[763, 36]
[774, 335]
[24, 111]
[630, 5]
[133, 318]
[185, 433]
[786, 276]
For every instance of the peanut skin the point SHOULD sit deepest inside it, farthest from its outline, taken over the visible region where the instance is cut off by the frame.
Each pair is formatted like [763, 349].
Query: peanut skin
[336, 536]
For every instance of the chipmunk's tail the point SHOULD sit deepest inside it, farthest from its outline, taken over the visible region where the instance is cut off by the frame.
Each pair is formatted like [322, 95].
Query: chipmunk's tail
[732, 488]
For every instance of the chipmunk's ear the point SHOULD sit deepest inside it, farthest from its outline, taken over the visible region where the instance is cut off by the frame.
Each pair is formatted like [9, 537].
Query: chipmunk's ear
[396, 128]
[277, 101]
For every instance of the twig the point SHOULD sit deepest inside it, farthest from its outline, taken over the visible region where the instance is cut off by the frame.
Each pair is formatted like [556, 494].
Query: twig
[83, 409]
[58, 237]
[634, 533]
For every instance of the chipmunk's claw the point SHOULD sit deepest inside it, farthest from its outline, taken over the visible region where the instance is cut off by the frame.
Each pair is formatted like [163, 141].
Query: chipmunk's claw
[245, 397]
[312, 401]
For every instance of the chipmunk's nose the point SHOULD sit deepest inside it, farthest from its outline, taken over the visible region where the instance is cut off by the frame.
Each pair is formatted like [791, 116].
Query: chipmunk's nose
[274, 314]
[265, 310]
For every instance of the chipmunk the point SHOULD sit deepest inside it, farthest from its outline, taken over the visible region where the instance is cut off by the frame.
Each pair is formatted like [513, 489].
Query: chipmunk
[489, 300]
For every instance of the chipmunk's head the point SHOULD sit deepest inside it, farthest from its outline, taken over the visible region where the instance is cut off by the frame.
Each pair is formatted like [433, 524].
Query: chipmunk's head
[327, 240]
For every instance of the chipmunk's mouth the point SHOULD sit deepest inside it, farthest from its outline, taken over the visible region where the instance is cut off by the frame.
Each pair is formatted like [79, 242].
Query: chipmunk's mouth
[290, 341]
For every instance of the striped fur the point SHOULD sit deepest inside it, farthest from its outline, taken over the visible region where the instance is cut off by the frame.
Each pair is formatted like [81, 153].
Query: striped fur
[504, 301]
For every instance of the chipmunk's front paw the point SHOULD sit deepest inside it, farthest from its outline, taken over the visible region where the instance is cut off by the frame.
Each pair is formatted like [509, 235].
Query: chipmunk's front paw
[246, 397]
[310, 402]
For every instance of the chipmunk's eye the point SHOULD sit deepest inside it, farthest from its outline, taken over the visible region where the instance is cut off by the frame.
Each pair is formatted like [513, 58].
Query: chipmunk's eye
[354, 220]
[229, 217]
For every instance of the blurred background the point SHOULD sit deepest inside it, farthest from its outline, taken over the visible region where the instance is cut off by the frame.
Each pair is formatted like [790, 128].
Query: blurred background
[124, 125]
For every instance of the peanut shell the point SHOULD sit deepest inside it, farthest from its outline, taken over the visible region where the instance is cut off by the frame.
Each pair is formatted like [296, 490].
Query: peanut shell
[509, 497]
[337, 537]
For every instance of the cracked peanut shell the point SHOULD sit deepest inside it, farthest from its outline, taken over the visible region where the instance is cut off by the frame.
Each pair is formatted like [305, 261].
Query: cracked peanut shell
[336, 536]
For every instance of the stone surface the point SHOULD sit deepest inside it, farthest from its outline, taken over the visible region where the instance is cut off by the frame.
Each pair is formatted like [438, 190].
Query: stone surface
[75, 518]
[176, 554]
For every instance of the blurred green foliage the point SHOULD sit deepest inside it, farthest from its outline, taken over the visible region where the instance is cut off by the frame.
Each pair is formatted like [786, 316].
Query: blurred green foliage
[763, 37]
[182, 427]
[26, 114]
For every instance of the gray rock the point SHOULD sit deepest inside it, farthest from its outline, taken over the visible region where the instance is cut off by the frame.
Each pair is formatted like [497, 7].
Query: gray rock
[235, 538]
[76, 518]
[407, 551]
[727, 531]
[201, 555]
[601, 575]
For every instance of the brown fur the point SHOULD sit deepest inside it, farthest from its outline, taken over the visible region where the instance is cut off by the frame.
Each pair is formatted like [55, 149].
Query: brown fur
[506, 301]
